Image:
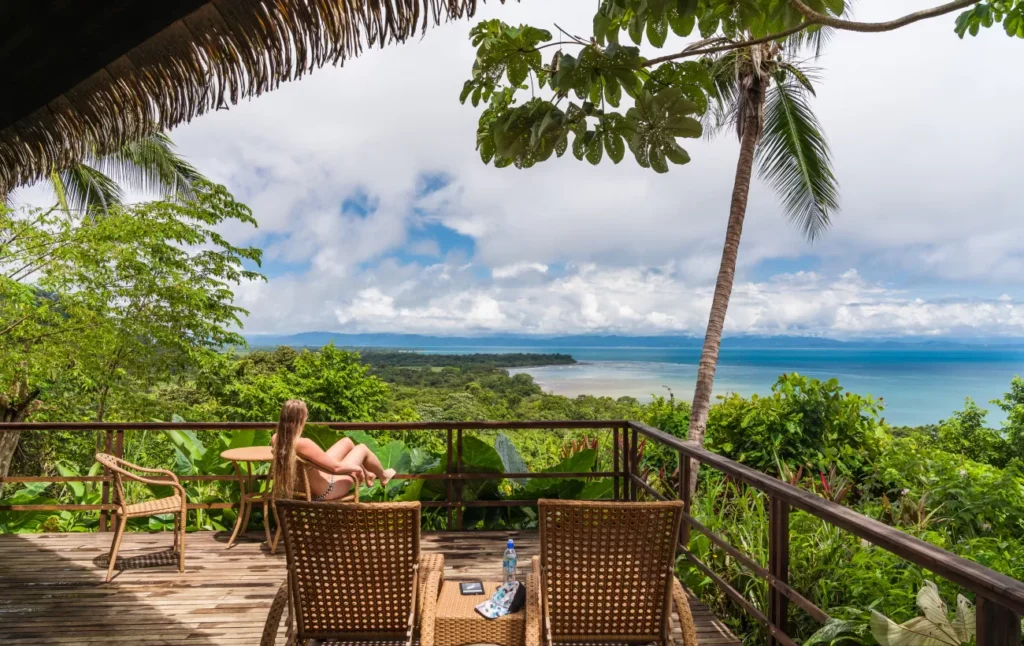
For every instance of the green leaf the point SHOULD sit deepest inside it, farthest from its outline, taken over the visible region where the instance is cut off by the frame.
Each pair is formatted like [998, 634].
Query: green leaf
[615, 146]
[794, 158]
[657, 158]
[480, 457]
[517, 71]
[636, 30]
[682, 25]
[837, 7]
[612, 91]
[833, 629]
[579, 147]
[595, 150]
[657, 31]
[675, 153]
[422, 460]
[597, 490]
[510, 458]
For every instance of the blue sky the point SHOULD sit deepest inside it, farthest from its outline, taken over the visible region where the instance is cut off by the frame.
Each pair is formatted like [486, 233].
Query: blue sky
[377, 215]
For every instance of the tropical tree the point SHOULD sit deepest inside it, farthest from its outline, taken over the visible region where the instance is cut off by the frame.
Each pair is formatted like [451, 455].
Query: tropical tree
[92, 305]
[762, 95]
[743, 78]
[149, 165]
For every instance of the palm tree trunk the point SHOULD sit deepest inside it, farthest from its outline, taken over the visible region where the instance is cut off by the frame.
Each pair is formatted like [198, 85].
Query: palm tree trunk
[750, 130]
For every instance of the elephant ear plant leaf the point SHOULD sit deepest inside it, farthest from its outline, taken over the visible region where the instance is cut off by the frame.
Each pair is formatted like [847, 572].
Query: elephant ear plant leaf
[933, 629]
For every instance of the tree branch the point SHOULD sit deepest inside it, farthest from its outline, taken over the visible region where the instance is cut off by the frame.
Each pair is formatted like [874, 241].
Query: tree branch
[812, 18]
[699, 49]
[816, 18]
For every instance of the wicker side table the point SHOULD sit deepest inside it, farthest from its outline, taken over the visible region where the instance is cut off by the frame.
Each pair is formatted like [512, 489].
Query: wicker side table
[457, 622]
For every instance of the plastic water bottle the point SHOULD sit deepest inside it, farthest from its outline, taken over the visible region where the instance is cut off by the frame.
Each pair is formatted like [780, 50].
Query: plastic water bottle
[508, 563]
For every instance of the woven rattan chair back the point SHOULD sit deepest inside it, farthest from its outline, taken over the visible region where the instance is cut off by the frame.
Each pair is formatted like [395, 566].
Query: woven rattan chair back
[352, 567]
[607, 569]
[118, 472]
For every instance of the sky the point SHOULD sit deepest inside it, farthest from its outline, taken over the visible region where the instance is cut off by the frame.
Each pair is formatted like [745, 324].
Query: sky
[377, 215]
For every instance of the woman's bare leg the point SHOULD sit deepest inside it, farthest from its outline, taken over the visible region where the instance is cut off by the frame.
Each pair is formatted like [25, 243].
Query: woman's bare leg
[363, 458]
[340, 449]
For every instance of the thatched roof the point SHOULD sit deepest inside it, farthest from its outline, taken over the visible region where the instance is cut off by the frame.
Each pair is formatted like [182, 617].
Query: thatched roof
[84, 76]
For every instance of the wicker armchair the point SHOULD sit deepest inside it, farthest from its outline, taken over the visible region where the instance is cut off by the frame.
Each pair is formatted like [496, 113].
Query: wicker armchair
[355, 574]
[606, 572]
[175, 504]
[302, 492]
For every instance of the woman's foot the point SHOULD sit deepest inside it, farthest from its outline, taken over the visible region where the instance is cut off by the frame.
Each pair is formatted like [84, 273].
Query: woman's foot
[388, 475]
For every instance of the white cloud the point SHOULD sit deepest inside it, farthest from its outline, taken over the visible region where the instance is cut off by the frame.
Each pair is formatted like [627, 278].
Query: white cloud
[519, 268]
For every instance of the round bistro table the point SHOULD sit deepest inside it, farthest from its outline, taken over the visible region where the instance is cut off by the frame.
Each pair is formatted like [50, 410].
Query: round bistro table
[249, 486]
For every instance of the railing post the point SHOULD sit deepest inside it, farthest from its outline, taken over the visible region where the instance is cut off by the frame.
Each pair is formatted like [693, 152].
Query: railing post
[684, 495]
[615, 463]
[633, 466]
[108, 448]
[448, 483]
[778, 565]
[997, 625]
[458, 485]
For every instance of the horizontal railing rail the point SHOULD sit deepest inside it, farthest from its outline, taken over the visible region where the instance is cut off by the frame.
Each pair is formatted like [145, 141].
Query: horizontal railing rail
[1000, 599]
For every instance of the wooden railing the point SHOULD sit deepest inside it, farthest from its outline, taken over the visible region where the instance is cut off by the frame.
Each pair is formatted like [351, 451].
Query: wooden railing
[999, 598]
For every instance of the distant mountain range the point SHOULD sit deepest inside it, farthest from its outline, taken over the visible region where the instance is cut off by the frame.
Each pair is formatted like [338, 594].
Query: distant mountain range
[418, 341]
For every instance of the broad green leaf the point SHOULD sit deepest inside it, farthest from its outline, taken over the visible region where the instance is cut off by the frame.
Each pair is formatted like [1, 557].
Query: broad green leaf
[833, 629]
[595, 151]
[597, 490]
[657, 30]
[479, 457]
[916, 632]
[615, 146]
[682, 25]
[612, 91]
[517, 71]
[510, 458]
[657, 158]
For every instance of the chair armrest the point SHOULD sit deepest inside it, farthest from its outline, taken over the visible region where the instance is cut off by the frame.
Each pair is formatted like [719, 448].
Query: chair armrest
[166, 472]
[682, 605]
[428, 608]
[273, 623]
[533, 606]
[174, 484]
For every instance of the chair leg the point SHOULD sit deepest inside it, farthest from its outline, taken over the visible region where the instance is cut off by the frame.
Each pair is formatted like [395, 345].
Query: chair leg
[116, 545]
[266, 520]
[277, 532]
[242, 509]
[181, 542]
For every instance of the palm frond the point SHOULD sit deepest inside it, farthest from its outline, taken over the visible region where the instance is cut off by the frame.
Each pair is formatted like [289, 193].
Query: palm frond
[150, 165]
[82, 188]
[794, 158]
[721, 114]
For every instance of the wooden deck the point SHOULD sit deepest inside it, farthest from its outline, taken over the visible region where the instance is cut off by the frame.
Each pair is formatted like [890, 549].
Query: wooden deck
[52, 590]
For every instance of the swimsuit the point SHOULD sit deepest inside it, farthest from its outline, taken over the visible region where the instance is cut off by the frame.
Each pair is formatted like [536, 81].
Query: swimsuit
[327, 492]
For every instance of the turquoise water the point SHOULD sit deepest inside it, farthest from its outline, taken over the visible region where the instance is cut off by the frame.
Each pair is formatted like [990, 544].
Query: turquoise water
[918, 386]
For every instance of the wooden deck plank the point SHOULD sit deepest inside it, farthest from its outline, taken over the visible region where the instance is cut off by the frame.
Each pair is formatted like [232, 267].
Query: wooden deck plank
[52, 589]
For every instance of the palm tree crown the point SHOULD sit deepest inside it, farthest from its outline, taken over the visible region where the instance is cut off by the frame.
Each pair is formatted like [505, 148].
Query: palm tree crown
[149, 165]
[762, 85]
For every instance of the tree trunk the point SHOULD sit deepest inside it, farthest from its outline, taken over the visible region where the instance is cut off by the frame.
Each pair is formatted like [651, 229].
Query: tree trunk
[750, 130]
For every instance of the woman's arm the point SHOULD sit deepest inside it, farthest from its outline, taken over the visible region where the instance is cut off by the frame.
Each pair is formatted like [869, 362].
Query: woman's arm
[308, 450]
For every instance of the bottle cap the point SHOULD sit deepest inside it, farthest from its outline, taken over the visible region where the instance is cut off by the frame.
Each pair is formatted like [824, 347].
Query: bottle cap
[510, 544]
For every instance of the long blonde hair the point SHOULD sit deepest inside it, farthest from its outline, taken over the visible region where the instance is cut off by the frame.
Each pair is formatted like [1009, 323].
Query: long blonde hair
[289, 426]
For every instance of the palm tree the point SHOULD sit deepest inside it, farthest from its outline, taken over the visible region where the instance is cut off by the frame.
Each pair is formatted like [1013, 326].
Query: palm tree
[149, 165]
[763, 95]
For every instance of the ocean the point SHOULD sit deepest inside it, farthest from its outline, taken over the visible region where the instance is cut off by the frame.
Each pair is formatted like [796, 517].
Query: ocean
[918, 385]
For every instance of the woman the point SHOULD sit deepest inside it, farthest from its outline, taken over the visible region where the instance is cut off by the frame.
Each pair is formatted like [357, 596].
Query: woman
[332, 473]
